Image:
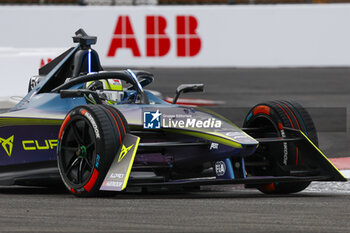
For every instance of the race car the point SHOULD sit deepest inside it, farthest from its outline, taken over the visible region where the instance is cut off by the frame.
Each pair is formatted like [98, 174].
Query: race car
[101, 131]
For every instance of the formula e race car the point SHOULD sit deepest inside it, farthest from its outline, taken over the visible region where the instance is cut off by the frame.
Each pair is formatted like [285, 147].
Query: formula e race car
[98, 130]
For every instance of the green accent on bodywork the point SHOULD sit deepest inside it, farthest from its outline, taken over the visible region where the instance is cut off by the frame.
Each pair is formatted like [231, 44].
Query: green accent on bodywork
[219, 138]
[28, 121]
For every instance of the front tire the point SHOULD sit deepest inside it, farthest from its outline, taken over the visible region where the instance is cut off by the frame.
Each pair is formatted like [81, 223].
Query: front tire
[272, 116]
[89, 138]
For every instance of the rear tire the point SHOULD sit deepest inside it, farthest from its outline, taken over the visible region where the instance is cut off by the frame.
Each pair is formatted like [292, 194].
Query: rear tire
[89, 138]
[273, 116]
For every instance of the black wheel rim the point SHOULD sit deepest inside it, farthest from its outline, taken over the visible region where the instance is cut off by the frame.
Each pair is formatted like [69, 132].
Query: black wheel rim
[77, 152]
[265, 154]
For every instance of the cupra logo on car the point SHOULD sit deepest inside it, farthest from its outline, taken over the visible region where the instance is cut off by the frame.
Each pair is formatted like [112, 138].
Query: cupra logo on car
[7, 144]
[124, 151]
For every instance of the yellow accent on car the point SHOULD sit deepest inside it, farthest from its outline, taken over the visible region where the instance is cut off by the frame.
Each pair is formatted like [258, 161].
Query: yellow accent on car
[29, 121]
[124, 151]
[323, 154]
[113, 84]
[35, 145]
[215, 137]
[131, 163]
[7, 144]
[25, 145]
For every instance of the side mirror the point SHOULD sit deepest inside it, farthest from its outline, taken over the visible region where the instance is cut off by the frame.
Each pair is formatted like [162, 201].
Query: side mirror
[80, 93]
[186, 88]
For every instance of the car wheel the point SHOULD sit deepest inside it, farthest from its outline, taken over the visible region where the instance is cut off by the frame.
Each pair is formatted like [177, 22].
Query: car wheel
[271, 117]
[89, 138]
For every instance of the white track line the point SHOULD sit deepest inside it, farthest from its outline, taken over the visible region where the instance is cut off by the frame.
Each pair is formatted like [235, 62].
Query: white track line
[345, 173]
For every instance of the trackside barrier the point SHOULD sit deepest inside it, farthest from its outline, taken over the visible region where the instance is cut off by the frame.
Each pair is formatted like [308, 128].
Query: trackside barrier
[176, 36]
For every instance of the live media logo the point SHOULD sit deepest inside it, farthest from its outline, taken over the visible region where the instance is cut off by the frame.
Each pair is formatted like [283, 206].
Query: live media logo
[152, 119]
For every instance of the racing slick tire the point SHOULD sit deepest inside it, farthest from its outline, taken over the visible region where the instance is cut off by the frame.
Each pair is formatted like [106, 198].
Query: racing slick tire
[89, 138]
[272, 116]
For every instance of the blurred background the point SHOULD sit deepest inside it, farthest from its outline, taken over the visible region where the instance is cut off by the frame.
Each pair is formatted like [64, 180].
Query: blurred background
[244, 51]
[160, 2]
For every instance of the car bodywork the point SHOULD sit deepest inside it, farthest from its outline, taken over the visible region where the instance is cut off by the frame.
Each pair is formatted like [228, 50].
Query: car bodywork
[170, 155]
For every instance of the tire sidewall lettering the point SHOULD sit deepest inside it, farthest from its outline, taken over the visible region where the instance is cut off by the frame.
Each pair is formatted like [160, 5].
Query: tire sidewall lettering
[93, 123]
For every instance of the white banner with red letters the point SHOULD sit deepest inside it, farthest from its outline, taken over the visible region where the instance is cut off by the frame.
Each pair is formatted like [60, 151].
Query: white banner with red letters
[178, 36]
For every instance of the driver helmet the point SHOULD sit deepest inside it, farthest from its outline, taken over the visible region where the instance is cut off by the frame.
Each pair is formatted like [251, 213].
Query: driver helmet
[110, 90]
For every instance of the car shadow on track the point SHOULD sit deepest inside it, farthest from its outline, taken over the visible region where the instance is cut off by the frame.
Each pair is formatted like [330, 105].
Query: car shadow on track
[33, 190]
[216, 195]
[163, 194]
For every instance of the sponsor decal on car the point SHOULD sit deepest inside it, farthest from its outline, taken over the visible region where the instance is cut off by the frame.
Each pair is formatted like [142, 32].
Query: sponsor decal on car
[116, 175]
[28, 145]
[116, 184]
[7, 144]
[157, 120]
[220, 168]
[214, 146]
[124, 151]
[191, 123]
[49, 144]
[151, 120]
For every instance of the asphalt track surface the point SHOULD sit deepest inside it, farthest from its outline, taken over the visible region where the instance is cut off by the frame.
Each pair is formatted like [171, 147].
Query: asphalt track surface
[323, 207]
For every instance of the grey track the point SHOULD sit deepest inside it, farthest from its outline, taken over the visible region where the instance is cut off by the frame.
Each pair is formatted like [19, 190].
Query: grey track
[226, 210]
[322, 208]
